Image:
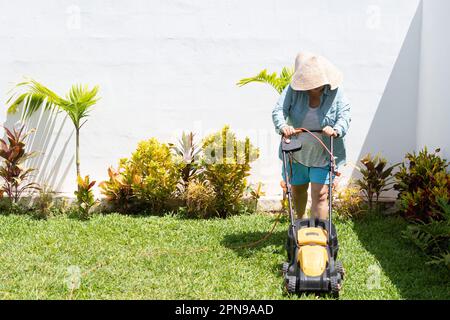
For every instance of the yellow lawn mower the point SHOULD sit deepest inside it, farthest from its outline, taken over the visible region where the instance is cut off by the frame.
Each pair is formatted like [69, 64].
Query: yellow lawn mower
[312, 244]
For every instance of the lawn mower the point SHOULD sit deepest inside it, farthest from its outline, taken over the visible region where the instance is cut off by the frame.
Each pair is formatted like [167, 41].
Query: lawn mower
[312, 244]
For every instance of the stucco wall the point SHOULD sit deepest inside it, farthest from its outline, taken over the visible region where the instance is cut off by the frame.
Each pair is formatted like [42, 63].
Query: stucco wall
[434, 101]
[165, 66]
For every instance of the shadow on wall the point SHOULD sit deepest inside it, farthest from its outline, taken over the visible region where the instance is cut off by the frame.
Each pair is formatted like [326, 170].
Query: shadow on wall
[51, 164]
[393, 129]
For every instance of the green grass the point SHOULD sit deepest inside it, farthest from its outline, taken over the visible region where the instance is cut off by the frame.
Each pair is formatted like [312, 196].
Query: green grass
[124, 257]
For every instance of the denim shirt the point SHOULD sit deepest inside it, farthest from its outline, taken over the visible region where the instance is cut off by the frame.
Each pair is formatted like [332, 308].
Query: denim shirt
[334, 112]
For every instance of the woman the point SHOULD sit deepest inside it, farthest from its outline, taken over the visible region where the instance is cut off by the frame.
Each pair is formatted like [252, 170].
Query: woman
[315, 100]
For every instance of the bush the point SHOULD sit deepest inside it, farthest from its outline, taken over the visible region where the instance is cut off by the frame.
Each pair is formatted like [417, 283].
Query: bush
[16, 208]
[226, 164]
[200, 199]
[421, 181]
[433, 238]
[155, 173]
[210, 181]
[12, 171]
[376, 178]
[118, 189]
[43, 204]
[149, 178]
[348, 202]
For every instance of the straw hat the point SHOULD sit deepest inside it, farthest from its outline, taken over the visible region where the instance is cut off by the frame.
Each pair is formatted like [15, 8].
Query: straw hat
[313, 71]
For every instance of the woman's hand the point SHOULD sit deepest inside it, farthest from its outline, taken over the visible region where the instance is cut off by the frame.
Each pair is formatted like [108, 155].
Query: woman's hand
[330, 132]
[288, 131]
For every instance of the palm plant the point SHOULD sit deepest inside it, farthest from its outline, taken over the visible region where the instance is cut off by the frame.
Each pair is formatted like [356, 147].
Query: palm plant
[77, 104]
[279, 83]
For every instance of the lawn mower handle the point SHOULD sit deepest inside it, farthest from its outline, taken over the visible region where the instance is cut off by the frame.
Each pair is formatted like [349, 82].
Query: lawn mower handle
[330, 189]
[300, 130]
[297, 131]
[330, 185]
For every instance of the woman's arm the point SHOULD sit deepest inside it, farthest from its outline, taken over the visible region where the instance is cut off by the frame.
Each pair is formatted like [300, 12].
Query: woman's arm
[281, 110]
[343, 116]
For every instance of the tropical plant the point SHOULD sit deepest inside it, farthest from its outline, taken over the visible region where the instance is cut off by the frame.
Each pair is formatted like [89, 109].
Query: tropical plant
[77, 104]
[255, 192]
[348, 202]
[421, 180]
[376, 178]
[85, 196]
[200, 199]
[43, 204]
[149, 178]
[433, 238]
[12, 171]
[187, 150]
[284, 201]
[279, 83]
[226, 165]
[155, 173]
[118, 189]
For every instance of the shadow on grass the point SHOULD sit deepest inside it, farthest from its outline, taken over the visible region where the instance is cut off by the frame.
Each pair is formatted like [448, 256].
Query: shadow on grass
[246, 244]
[400, 260]
[241, 243]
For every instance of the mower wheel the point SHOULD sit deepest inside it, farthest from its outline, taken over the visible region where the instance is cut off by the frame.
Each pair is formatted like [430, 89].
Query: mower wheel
[340, 269]
[335, 287]
[285, 268]
[291, 284]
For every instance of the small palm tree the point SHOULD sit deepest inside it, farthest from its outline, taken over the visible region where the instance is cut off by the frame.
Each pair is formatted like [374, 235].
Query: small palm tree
[279, 83]
[77, 104]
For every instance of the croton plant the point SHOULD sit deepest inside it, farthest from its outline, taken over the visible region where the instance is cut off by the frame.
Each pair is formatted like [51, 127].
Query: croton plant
[16, 178]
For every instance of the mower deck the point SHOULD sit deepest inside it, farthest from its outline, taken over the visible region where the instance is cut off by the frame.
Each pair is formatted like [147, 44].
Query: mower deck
[312, 264]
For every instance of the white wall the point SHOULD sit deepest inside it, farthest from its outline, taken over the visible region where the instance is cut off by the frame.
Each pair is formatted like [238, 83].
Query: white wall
[434, 100]
[393, 128]
[164, 66]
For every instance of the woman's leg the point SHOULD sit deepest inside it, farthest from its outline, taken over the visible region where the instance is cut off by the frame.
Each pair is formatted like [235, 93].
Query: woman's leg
[319, 197]
[300, 198]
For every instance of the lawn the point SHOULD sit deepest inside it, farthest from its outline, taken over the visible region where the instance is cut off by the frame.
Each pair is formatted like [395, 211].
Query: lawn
[170, 257]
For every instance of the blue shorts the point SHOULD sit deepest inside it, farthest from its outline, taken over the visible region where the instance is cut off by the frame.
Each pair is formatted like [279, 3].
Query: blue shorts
[303, 175]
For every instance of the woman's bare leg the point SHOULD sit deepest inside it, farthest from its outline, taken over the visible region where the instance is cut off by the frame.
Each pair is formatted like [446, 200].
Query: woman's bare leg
[300, 198]
[319, 197]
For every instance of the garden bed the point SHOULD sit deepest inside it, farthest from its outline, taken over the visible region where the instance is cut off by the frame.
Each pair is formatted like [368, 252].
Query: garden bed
[169, 257]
